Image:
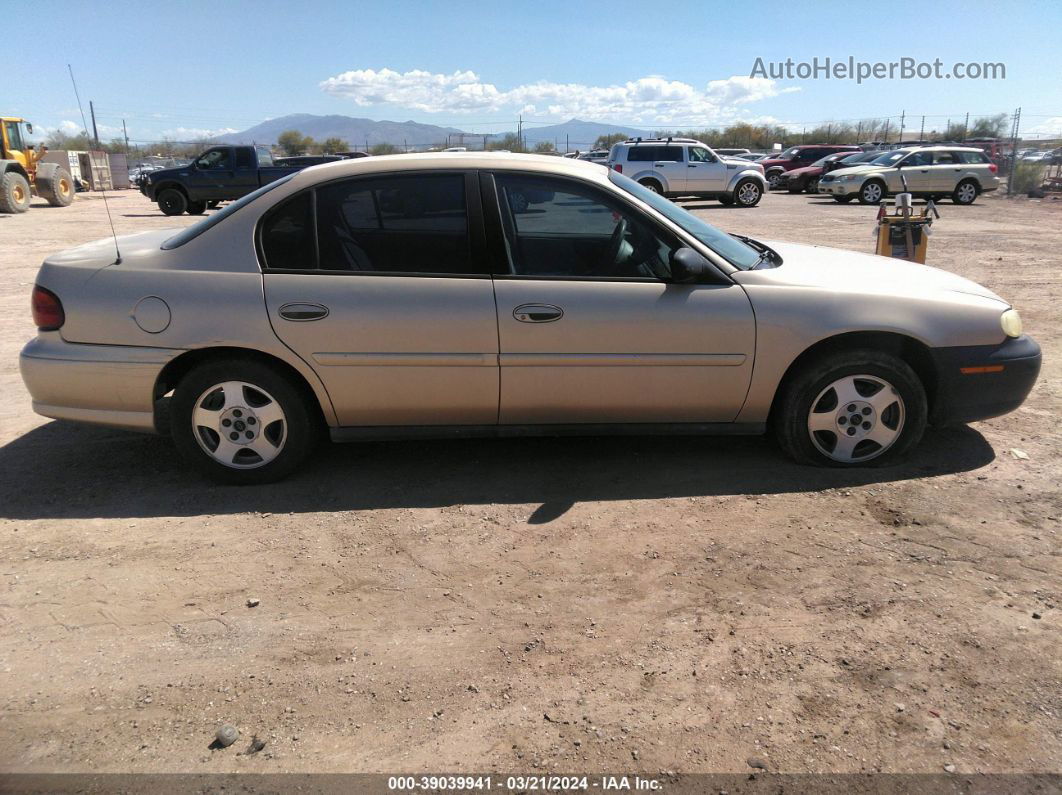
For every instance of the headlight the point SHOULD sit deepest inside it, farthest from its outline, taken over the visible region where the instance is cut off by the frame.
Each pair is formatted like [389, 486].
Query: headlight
[1011, 323]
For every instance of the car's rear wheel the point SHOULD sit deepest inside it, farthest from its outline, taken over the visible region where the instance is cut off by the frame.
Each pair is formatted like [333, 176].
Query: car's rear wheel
[172, 202]
[812, 186]
[965, 192]
[652, 185]
[843, 199]
[852, 408]
[747, 193]
[872, 192]
[241, 421]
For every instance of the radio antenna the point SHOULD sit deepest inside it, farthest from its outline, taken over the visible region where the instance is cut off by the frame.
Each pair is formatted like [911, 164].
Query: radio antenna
[106, 206]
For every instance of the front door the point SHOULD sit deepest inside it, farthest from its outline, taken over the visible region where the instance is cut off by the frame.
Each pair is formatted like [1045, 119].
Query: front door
[705, 173]
[917, 170]
[387, 302]
[211, 173]
[590, 331]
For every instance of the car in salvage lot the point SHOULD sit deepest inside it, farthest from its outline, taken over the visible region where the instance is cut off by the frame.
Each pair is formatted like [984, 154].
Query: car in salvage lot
[807, 178]
[961, 172]
[315, 306]
[775, 166]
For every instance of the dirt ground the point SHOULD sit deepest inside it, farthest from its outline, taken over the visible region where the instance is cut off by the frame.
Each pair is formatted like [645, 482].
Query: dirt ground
[542, 605]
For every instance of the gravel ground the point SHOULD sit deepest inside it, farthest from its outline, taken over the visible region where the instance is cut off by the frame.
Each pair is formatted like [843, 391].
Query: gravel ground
[541, 605]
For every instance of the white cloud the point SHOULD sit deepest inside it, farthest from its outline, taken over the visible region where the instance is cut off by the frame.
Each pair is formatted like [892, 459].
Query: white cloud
[1048, 128]
[196, 133]
[650, 99]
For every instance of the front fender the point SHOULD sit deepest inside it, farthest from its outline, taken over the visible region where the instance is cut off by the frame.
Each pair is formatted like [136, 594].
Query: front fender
[746, 173]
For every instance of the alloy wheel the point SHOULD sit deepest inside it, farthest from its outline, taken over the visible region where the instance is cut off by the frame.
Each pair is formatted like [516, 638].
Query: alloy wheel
[239, 425]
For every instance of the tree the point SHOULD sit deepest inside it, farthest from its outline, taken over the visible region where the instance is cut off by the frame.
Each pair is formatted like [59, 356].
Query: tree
[510, 142]
[383, 149]
[544, 147]
[606, 141]
[329, 146]
[988, 127]
[293, 142]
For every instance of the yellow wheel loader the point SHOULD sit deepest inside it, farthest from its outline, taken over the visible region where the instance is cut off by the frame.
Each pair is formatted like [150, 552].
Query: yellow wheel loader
[21, 171]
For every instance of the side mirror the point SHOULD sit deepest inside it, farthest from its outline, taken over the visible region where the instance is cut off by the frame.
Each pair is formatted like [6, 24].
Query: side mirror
[29, 128]
[689, 267]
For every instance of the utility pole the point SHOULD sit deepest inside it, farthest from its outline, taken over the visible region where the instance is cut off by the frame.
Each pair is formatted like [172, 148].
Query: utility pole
[922, 132]
[565, 143]
[903, 115]
[520, 131]
[125, 133]
[885, 137]
[859, 131]
[965, 125]
[95, 135]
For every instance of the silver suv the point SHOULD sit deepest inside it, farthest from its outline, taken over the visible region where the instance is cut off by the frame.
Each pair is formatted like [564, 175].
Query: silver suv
[677, 167]
[961, 172]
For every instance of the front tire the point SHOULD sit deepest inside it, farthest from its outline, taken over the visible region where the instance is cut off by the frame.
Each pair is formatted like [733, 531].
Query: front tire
[172, 202]
[843, 199]
[241, 421]
[747, 193]
[872, 192]
[812, 186]
[14, 193]
[851, 408]
[774, 180]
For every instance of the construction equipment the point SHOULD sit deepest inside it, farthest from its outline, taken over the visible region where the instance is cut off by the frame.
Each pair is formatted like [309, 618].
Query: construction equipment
[22, 172]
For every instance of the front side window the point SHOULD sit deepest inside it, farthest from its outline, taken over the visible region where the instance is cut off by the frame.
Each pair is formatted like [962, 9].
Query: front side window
[919, 159]
[395, 224]
[699, 154]
[556, 227]
[213, 159]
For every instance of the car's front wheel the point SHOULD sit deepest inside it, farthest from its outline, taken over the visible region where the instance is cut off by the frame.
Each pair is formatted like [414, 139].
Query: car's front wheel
[241, 421]
[747, 193]
[852, 408]
[871, 193]
[172, 202]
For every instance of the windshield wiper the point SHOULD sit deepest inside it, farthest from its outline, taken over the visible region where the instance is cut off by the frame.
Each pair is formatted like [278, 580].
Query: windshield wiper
[767, 254]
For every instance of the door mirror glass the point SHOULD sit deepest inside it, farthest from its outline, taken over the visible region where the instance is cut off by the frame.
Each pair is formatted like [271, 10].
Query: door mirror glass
[689, 267]
[29, 128]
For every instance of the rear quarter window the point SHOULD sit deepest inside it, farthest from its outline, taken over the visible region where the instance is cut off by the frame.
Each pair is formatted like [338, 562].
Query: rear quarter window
[973, 158]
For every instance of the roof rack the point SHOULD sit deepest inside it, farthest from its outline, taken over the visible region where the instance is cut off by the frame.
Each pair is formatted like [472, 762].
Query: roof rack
[669, 140]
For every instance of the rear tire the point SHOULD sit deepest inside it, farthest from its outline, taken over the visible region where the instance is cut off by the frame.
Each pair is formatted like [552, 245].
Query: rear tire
[57, 190]
[652, 185]
[196, 208]
[843, 199]
[172, 202]
[965, 192]
[794, 187]
[812, 186]
[892, 403]
[226, 392]
[14, 193]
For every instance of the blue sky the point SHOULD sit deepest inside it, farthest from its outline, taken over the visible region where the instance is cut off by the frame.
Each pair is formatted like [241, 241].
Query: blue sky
[191, 68]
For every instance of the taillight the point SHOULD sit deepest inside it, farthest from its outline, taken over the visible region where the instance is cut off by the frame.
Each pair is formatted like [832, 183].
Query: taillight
[993, 167]
[47, 309]
[618, 167]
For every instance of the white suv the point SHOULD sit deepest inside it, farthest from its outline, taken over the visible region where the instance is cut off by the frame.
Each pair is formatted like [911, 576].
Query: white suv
[677, 167]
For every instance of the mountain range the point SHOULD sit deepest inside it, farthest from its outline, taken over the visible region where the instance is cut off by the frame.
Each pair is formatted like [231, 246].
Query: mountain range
[360, 133]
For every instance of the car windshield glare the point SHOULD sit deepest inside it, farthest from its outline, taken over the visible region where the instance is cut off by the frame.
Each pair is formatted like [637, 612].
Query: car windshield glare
[195, 230]
[890, 159]
[731, 249]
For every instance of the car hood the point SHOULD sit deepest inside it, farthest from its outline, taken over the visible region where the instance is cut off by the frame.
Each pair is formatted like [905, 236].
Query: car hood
[854, 170]
[796, 172]
[837, 269]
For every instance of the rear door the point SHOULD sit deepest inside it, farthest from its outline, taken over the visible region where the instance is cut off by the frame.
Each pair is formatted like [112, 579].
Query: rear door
[705, 173]
[666, 162]
[399, 318]
[244, 173]
[590, 330]
[946, 171]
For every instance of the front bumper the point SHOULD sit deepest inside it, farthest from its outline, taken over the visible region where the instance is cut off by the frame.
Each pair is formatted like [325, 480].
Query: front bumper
[109, 385]
[977, 382]
[147, 189]
[838, 188]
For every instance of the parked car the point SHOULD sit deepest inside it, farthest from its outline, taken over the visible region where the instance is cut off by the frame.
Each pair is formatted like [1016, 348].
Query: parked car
[599, 156]
[797, 157]
[676, 167]
[732, 152]
[1036, 157]
[221, 173]
[807, 178]
[963, 173]
[307, 306]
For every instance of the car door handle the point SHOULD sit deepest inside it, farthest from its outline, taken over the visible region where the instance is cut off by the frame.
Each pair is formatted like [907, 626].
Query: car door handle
[302, 312]
[538, 313]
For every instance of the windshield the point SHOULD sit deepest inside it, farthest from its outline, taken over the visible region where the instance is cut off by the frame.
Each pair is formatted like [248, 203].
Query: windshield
[732, 250]
[890, 158]
[822, 161]
[788, 154]
[195, 230]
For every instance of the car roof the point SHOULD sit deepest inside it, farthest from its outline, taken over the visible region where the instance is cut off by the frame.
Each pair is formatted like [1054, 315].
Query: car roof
[941, 148]
[445, 161]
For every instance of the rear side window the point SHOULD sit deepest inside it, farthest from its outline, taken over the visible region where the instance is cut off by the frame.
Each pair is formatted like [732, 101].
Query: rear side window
[264, 157]
[945, 158]
[245, 158]
[639, 154]
[287, 235]
[405, 224]
[973, 158]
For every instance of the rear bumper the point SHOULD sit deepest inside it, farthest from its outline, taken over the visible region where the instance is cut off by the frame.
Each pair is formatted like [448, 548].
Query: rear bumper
[109, 385]
[997, 379]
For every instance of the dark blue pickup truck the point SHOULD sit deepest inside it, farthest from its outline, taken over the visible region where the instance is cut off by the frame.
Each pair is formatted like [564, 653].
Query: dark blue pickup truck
[221, 173]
